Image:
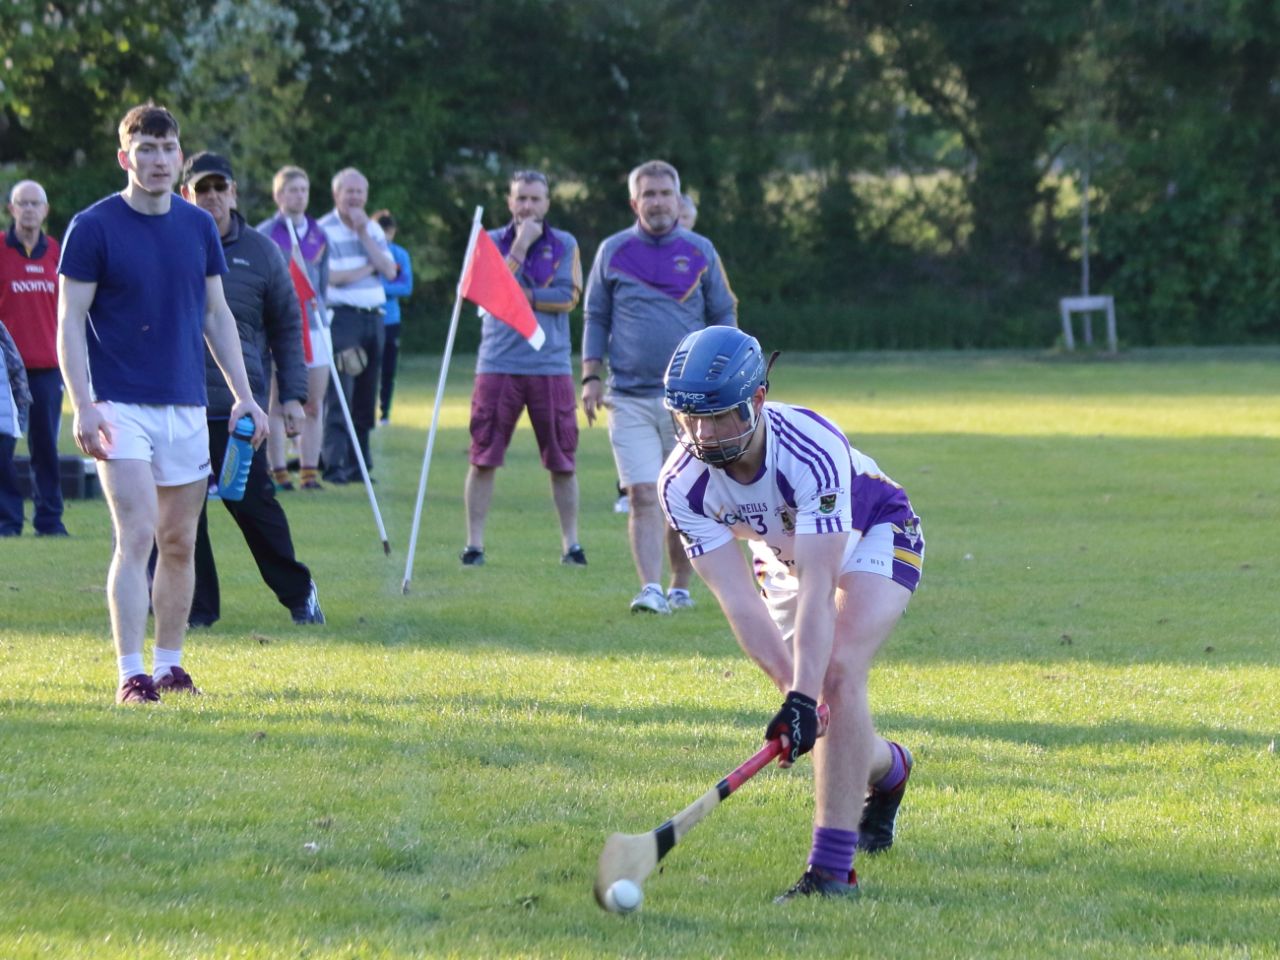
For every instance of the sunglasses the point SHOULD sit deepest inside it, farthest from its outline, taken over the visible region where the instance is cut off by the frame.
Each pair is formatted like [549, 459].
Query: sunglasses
[204, 186]
[529, 176]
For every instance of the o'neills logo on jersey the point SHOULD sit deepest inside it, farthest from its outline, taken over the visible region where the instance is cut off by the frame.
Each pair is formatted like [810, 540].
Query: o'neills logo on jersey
[33, 286]
[681, 263]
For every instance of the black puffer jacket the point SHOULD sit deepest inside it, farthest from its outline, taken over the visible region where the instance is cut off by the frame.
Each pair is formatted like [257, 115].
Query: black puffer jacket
[261, 296]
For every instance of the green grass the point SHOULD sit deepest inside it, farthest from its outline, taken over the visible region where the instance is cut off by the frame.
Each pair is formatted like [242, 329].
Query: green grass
[1087, 678]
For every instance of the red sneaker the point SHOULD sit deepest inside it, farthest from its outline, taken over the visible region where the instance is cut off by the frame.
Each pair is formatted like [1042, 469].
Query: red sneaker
[138, 689]
[176, 680]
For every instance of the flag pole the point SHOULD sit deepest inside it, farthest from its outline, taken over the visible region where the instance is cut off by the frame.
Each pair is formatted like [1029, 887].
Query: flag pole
[435, 413]
[296, 249]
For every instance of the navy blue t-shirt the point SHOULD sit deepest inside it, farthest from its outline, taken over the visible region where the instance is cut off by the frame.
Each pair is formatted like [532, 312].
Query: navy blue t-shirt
[146, 323]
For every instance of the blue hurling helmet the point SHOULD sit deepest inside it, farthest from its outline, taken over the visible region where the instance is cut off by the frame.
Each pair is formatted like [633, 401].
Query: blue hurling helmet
[713, 371]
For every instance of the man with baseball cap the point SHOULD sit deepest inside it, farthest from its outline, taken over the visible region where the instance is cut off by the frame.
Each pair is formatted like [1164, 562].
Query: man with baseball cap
[266, 309]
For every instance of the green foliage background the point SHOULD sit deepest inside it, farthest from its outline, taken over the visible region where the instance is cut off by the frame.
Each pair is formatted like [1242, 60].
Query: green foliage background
[888, 175]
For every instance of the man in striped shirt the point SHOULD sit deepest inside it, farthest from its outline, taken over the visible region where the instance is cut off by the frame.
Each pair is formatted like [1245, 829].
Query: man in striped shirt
[837, 552]
[358, 261]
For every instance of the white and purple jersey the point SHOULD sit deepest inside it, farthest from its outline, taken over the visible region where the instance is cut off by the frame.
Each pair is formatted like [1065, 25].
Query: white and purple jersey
[810, 482]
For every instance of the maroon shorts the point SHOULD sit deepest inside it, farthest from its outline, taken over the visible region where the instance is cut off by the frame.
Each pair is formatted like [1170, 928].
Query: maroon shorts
[496, 404]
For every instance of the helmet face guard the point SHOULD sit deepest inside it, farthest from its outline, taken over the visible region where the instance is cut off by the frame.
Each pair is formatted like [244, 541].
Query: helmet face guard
[709, 436]
[709, 388]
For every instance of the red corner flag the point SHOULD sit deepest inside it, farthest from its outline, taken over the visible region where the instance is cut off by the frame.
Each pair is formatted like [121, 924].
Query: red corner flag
[488, 283]
[306, 299]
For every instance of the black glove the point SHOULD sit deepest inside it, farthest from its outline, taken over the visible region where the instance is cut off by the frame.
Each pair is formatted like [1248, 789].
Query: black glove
[798, 720]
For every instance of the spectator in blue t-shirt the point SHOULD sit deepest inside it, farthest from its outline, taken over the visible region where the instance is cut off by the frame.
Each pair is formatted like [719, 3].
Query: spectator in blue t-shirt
[148, 266]
[396, 289]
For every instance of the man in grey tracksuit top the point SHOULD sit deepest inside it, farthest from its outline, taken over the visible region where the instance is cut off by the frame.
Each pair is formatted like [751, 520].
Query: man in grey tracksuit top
[650, 286]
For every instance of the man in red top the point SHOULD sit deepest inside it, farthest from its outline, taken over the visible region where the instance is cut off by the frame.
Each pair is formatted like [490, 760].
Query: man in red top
[29, 308]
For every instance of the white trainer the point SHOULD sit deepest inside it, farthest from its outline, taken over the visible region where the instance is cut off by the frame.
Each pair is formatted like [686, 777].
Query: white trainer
[650, 600]
[678, 599]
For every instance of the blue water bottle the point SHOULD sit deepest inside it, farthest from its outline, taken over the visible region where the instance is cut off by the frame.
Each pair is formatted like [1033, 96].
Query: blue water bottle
[235, 465]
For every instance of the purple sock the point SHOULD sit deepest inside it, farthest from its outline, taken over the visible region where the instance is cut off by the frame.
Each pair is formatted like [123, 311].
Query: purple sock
[833, 850]
[897, 774]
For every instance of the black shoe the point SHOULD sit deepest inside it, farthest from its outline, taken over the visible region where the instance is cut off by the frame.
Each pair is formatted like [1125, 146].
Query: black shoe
[875, 831]
[60, 532]
[309, 612]
[176, 680]
[138, 689]
[575, 557]
[819, 883]
[472, 557]
[338, 479]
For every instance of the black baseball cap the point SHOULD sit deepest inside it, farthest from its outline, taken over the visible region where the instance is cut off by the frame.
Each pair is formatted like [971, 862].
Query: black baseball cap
[206, 164]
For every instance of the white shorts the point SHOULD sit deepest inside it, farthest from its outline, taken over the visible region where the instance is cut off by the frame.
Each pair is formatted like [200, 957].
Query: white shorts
[321, 349]
[886, 550]
[173, 439]
[642, 435]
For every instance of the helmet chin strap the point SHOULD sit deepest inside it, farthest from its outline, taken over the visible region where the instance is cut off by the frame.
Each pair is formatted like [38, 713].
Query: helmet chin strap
[769, 366]
[721, 454]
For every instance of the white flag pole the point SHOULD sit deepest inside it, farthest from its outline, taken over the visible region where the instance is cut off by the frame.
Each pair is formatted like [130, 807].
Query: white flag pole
[346, 412]
[435, 413]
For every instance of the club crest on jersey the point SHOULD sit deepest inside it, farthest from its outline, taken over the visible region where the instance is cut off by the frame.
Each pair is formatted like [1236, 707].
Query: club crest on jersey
[788, 520]
[681, 263]
[910, 530]
[827, 502]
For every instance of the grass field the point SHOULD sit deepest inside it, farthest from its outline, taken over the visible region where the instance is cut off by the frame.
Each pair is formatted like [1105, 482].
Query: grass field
[1087, 677]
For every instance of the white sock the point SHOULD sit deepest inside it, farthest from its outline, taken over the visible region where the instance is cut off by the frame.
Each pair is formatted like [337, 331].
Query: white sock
[166, 660]
[653, 586]
[677, 592]
[130, 666]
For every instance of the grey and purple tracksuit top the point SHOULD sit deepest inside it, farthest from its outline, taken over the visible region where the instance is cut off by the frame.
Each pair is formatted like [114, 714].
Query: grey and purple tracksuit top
[644, 294]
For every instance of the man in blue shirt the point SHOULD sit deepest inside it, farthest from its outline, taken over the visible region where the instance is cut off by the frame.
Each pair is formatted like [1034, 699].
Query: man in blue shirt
[141, 297]
[395, 289]
[650, 286]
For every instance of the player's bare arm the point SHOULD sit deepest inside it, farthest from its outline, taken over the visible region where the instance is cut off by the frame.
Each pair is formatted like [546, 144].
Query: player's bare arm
[75, 297]
[818, 560]
[223, 338]
[726, 574]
